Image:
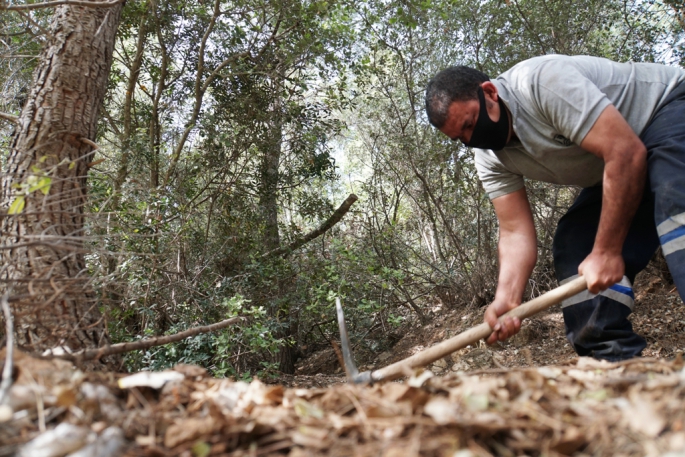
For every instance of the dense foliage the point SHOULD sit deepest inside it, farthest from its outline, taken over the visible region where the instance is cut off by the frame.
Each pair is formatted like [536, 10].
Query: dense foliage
[232, 128]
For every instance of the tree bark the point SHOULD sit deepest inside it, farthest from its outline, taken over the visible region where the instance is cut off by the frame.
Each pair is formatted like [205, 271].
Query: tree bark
[43, 249]
[268, 203]
[270, 176]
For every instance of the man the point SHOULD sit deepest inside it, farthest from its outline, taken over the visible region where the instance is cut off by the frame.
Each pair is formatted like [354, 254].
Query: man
[605, 126]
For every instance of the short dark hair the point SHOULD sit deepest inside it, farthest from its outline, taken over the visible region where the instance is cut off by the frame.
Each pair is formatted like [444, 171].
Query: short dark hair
[458, 83]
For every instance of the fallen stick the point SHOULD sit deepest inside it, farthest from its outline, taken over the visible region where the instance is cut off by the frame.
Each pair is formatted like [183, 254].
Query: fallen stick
[119, 348]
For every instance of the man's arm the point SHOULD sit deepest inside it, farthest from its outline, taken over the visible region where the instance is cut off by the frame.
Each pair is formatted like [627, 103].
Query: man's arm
[624, 155]
[517, 256]
[625, 165]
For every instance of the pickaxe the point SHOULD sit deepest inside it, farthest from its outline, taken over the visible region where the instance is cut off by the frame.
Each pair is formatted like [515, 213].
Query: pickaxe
[440, 350]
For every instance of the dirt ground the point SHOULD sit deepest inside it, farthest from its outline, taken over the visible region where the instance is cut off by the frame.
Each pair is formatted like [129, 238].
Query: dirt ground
[659, 316]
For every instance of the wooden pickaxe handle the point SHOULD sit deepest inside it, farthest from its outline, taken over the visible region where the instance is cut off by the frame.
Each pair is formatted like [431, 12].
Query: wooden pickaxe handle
[475, 334]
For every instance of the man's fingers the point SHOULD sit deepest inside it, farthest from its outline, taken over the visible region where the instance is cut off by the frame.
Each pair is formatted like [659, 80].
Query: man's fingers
[594, 288]
[494, 336]
[501, 328]
[491, 317]
[509, 327]
[597, 285]
[602, 270]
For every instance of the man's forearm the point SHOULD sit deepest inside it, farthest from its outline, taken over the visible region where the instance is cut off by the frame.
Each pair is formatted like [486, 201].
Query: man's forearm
[622, 193]
[517, 247]
[517, 257]
[625, 164]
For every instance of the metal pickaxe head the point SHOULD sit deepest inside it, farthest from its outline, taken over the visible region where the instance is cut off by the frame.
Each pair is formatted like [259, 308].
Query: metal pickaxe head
[353, 374]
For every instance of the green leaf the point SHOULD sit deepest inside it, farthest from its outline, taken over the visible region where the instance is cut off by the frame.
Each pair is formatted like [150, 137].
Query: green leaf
[305, 409]
[201, 449]
[17, 205]
[478, 402]
[43, 184]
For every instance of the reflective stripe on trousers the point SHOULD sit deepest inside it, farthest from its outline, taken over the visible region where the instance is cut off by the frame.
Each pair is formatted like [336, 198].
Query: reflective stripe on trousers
[621, 292]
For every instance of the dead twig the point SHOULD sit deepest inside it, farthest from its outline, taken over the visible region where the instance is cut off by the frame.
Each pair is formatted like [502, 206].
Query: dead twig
[93, 144]
[40, 404]
[9, 117]
[120, 348]
[9, 332]
[339, 355]
[35, 6]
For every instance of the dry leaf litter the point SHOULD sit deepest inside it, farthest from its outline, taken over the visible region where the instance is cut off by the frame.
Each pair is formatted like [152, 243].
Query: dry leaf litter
[634, 408]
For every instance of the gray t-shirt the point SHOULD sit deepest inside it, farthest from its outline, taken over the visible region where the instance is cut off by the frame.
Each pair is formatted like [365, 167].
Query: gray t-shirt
[555, 100]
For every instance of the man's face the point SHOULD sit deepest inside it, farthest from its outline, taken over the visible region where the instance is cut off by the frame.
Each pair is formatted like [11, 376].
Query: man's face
[461, 119]
[462, 115]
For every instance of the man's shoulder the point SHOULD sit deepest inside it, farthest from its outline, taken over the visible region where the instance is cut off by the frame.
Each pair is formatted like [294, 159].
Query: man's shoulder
[551, 64]
[535, 63]
[550, 68]
[542, 80]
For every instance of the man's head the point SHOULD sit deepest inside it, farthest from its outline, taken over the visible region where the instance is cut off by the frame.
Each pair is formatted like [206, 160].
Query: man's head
[451, 84]
[465, 105]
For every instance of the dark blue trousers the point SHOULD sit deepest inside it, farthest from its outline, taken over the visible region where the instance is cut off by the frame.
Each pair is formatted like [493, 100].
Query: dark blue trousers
[597, 325]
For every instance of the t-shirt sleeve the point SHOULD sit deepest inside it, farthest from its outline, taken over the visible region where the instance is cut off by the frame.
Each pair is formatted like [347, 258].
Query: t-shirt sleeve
[569, 101]
[496, 179]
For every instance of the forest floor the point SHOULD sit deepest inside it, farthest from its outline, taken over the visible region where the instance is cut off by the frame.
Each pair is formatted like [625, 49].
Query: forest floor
[528, 396]
[659, 317]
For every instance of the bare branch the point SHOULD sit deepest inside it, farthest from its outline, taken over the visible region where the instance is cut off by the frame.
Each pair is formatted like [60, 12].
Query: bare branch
[90, 143]
[9, 334]
[31, 21]
[35, 6]
[90, 354]
[199, 95]
[323, 228]
[9, 117]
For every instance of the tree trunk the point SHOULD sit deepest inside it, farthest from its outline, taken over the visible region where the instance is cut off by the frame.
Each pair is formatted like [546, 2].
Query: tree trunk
[43, 238]
[268, 196]
[268, 202]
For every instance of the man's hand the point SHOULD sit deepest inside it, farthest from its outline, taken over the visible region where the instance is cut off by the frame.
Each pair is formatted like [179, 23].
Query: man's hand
[509, 326]
[602, 270]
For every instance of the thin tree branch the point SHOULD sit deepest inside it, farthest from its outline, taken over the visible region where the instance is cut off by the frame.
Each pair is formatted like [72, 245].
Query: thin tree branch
[35, 6]
[199, 94]
[455, 240]
[9, 117]
[9, 334]
[323, 228]
[90, 143]
[31, 21]
[120, 348]
[41, 29]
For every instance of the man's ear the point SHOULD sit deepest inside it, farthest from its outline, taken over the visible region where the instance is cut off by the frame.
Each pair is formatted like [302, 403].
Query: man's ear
[490, 91]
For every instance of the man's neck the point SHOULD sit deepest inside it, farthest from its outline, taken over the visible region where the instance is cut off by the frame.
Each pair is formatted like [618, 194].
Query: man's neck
[512, 134]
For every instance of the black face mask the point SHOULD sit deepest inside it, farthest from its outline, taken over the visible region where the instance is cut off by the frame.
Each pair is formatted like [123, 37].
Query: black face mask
[487, 134]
